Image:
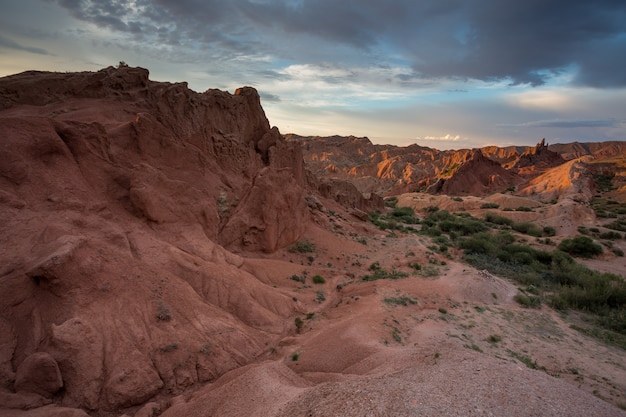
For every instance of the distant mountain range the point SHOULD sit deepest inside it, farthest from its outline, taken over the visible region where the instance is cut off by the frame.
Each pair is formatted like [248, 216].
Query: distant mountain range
[390, 170]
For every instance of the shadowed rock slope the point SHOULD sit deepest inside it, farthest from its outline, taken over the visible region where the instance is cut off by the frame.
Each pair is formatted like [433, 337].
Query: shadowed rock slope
[123, 201]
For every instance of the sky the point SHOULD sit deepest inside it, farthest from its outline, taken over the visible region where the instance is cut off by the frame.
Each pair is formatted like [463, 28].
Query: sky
[447, 74]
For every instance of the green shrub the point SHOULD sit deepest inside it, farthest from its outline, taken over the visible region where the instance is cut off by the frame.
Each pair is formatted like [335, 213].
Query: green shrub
[617, 225]
[523, 208]
[318, 279]
[496, 219]
[490, 206]
[298, 321]
[404, 214]
[528, 300]
[553, 277]
[582, 246]
[527, 229]
[403, 300]
[298, 278]
[380, 273]
[395, 220]
[549, 231]
[610, 235]
[302, 247]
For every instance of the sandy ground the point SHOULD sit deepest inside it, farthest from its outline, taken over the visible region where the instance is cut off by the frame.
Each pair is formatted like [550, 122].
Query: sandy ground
[459, 347]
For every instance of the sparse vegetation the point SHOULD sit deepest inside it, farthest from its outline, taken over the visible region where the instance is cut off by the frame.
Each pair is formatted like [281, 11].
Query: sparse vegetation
[396, 335]
[400, 301]
[302, 246]
[398, 219]
[526, 360]
[299, 323]
[391, 201]
[607, 336]
[163, 313]
[295, 356]
[380, 273]
[529, 301]
[490, 206]
[474, 346]
[298, 278]
[318, 279]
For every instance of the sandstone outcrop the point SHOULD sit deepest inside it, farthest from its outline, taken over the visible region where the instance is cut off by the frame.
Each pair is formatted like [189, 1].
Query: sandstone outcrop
[393, 170]
[538, 158]
[478, 175]
[114, 190]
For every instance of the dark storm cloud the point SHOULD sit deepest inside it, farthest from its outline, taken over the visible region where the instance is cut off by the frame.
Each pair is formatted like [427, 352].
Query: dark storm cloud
[518, 41]
[8, 43]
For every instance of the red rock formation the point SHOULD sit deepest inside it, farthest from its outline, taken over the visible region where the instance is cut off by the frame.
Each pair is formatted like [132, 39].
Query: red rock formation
[538, 158]
[113, 192]
[478, 175]
[391, 170]
[39, 374]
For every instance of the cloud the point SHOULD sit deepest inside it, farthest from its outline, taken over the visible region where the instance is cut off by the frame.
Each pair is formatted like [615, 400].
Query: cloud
[8, 43]
[446, 138]
[528, 42]
[268, 97]
[567, 124]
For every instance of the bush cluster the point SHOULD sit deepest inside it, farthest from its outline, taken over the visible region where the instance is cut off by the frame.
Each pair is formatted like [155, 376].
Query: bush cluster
[554, 276]
[582, 246]
[441, 221]
[397, 219]
[380, 273]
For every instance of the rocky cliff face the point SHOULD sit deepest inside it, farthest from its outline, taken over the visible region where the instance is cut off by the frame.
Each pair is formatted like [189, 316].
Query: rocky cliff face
[122, 202]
